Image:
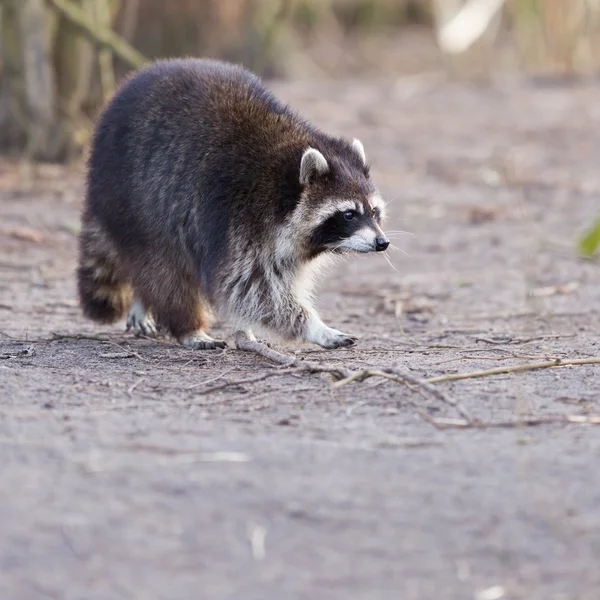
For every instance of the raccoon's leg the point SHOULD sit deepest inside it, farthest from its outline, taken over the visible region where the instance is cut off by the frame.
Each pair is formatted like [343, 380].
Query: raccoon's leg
[296, 320]
[318, 333]
[103, 286]
[176, 301]
[140, 320]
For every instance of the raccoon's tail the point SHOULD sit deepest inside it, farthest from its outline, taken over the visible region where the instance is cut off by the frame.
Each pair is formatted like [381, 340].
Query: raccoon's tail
[104, 291]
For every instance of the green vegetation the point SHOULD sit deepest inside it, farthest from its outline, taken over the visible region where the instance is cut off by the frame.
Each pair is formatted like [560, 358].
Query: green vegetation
[590, 240]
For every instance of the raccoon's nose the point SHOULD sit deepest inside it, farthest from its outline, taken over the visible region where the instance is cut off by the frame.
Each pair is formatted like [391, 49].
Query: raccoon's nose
[381, 243]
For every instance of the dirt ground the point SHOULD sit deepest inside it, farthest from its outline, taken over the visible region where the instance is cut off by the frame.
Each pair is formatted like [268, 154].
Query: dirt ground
[121, 477]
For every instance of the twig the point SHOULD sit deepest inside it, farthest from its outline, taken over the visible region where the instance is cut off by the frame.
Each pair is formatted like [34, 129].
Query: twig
[253, 399]
[196, 385]
[75, 336]
[409, 380]
[99, 34]
[236, 382]
[134, 385]
[515, 341]
[525, 422]
[127, 352]
[19, 353]
[246, 345]
[509, 356]
[117, 355]
[345, 375]
[514, 369]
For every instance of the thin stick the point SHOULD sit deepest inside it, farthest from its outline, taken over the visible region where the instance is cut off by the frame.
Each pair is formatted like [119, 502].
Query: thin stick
[248, 380]
[246, 345]
[525, 422]
[114, 355]
[132, 387]
[211, 380]
[128, 351]
[346, 376]
[515, 341]
[76, 336]
[514, 369]
[408, 380]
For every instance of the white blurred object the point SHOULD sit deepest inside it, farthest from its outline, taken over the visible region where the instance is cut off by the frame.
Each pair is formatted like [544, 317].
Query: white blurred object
[494, 593]
[462, 30]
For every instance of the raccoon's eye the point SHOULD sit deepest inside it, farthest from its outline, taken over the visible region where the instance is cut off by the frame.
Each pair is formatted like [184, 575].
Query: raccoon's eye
[349, 215]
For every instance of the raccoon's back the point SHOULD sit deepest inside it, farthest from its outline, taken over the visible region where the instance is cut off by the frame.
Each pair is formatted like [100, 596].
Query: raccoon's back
[182, 135]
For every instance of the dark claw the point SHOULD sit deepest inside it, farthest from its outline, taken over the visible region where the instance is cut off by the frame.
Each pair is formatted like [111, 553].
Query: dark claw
[214, 345]
[348, 341]
[345, 342]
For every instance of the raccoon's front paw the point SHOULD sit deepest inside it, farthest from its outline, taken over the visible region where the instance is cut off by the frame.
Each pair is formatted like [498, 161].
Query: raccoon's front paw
[201, 341]
[140, 321]
[332, 338]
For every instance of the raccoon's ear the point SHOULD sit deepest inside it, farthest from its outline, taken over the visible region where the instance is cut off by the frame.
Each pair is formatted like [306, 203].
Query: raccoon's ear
[360, 150]
[313, 163]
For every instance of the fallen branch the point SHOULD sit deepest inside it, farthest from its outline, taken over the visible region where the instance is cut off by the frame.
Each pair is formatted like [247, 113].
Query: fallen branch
[246, 345]
[293, 365]
[346, 376]
[99, 34]
[408, 380]
[514, 369]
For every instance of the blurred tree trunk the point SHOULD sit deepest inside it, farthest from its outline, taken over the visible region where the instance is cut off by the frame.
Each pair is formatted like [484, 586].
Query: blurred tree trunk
[56, 70]
[129, 19]
[30, 90]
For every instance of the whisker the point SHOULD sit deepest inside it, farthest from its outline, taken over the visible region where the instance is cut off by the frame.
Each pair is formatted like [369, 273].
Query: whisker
[399, 250]
[393, 237]
[389, 262]
[400, 233]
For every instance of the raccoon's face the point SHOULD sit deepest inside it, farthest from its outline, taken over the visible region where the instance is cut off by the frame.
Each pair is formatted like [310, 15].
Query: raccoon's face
[343, 209]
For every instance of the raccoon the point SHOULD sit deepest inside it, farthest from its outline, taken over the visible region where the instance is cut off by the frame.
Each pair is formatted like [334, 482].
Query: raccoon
[206, 195]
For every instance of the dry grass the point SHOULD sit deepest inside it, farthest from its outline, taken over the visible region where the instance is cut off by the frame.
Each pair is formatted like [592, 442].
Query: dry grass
[539, 36]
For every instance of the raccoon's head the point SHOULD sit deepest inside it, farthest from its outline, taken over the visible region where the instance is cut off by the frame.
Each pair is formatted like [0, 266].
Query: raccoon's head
[342, 210]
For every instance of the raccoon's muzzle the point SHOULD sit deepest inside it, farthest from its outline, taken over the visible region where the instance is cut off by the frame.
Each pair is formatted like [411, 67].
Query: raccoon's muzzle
[381, 243]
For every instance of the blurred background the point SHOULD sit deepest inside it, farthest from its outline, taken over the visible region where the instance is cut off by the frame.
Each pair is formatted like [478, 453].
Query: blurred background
[61, 59]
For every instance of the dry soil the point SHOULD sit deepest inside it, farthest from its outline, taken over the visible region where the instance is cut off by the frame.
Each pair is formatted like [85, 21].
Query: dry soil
[121, 478]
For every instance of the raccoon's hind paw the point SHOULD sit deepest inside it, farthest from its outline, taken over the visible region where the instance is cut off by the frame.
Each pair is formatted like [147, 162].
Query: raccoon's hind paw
[201, 341]
[140, 321]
